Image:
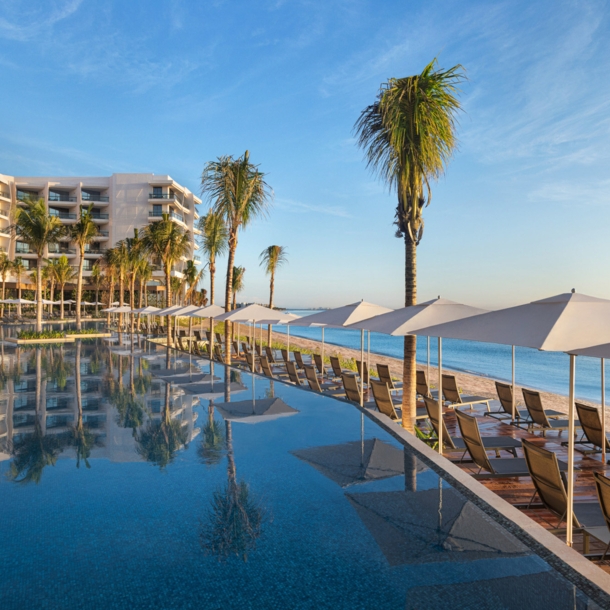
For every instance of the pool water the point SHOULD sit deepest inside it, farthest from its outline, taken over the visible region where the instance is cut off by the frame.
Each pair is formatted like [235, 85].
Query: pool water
[236, 493]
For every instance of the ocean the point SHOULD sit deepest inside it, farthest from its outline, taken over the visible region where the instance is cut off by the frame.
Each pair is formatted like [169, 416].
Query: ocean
[533, 369]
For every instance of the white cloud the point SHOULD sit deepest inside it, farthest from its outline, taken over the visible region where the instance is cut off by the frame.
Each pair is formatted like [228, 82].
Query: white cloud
[299, 207]
[21, 20]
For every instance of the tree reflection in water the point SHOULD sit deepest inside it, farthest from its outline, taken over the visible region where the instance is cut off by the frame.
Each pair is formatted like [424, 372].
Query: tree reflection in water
[160, 439]
[130, 411]
[212, 447]
[81, 437]
[235, 519]
[32, 453]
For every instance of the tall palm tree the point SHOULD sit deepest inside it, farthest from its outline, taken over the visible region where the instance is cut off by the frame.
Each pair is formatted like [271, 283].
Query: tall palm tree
[81, 437]
[97, 279]
[19, 269]
[63, 274]
[166, 241]
[270, 259]
[82, 233]
[214, 242]
[144, 275]
[49, 275]
[121, 258]
[5, 266]
[238, 282]
[408, 135]
[238, 193]
[110, 264]
[35, 226]
[135, 260]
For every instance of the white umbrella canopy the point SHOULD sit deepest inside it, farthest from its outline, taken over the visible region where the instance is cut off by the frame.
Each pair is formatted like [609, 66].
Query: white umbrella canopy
[255, 412]
[342, 316]
[211, 311]
[17, 302]
[108, 309]
[123, 309]
[404, 321]
[183, 311]
[168, 311]
[563, 323]
[281, 319]
[252, 313]
[147, 310]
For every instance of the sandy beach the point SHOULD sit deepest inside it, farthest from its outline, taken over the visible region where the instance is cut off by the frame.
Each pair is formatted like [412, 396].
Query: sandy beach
[467, 383]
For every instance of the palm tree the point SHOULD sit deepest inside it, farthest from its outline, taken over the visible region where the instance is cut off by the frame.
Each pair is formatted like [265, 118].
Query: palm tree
[238, 193]
[212, 447]
[408, 135]
[35, 226]
[166, 241]
[214, 242]
[96, 279]
[121, 258]
[110, 264]
[271, 258]
[63, 274]
[136, 258]
[81, 437]
[5, 266]
[238, 282]
[19, 269]
[49, 275]
[82, 233]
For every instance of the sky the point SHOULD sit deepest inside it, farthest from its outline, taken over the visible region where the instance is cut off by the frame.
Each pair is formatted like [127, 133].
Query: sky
[92, 87]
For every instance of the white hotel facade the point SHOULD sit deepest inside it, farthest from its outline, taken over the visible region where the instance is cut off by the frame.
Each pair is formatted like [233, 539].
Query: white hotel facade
[121, 203]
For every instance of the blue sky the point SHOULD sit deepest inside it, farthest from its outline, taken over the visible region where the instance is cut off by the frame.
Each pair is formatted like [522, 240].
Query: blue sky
[92, 87]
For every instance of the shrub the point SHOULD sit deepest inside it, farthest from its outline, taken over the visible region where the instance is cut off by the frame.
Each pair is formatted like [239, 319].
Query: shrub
[45, 334]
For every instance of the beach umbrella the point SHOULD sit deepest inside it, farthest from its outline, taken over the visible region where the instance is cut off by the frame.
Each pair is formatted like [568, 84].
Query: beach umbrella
[211, 312]
[601, 352]
[341, 317]
[205, 389]
[255, 411]
[561, 323]
[18, 302]
[115, 303]
[145, 310]
[108, 309]
[405, 321]
[253, 314]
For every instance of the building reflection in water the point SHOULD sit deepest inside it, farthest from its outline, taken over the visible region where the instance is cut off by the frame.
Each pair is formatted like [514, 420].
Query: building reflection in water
[83, 401]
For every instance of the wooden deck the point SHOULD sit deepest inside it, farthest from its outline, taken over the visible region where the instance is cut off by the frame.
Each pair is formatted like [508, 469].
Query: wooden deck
[519, 491]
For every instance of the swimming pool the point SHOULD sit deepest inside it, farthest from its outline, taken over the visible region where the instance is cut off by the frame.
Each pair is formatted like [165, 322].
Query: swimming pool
[250, 494]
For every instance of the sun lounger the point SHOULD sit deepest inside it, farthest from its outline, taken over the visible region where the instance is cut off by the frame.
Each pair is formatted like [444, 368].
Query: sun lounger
[218, 353]
[351, 387]
[320, 365]
[285, 355]
[550, 484]
[359, 367]
[421, 385]
[383, 370]
[270, 355]
[493, 468]
[452, 395]
[491, 443]
[251, 362]
[258, 350]
[298, 358]
[592, 432]
[220, 339]
[268, 370]
[198, 336]
[244, 348]
[330, 389]
[293, 374]
[538, 416]
[387, 405]
[208, 334]
[505, 397]
[601, 532]
[336, 367]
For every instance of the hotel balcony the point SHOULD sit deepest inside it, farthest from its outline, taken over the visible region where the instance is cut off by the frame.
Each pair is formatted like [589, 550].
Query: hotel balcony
[196, 231]
[56, 250]
[101, 218]
[5, 212]
[102, 235]
[24, 250]
[89, 198]
[67, 217]
[95, 252]
[5, 195]
[154, 216]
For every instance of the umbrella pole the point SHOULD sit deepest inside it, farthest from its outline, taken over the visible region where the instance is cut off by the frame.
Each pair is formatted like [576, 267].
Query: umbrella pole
[514, 388]
[428, 374]
[362, 367]
[288, 341]
[211, 341]
[570, 509]
[603, 371]
[440, 395]
[323, 367]
[368, 358]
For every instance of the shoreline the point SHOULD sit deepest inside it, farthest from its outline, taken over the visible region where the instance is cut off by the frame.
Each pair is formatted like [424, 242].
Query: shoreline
[468, 383]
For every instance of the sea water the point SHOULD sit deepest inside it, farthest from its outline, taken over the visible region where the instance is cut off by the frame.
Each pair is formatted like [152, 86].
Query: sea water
[533, 368]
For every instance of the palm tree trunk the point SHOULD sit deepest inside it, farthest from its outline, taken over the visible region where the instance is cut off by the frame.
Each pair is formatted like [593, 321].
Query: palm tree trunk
[52, 297]
[97, 296]
[271, 290]
[121, 297]
[168, 296]
[110, 299]
[3, 293]
[409, 401]
[39, 294]
[19, 294]
[212, 275]
[79, 287]
[229, 292]
[61, 307]
[132, 298]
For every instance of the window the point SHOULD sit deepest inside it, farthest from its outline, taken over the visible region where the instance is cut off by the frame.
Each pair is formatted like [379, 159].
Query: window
[157, 210]
[21, 194]
[157, 192]
[91, 196]
[22, 248]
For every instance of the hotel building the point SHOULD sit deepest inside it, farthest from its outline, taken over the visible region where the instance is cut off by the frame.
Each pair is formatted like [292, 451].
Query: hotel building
[121, 203]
